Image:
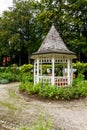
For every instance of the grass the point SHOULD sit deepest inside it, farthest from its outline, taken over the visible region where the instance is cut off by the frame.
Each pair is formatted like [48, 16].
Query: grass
[41, 124]
[13, 94]
[8, 105]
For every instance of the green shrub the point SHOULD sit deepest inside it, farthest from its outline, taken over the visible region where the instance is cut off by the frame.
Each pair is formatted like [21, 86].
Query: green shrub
[25, 73]
[10, 73]
[22, 87]
[81, 67]
[14, 73]
[9, 76]
[36, 88]
[79, 80]
[2, 69]
[26, 68]
[53, 92]
[26, 78]
[4, 81]
[29, 87]
[48, 91]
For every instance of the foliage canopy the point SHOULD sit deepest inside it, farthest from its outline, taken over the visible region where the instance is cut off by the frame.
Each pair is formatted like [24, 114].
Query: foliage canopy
[25, 25]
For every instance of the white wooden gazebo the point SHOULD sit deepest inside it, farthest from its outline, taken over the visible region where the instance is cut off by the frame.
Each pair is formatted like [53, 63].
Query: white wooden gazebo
[53, 51]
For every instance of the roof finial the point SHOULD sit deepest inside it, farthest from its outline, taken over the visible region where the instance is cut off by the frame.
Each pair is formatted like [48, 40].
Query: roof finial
[53, 24]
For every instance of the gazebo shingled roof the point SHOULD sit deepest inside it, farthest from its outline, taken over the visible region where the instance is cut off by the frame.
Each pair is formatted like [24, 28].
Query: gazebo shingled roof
[53, 43]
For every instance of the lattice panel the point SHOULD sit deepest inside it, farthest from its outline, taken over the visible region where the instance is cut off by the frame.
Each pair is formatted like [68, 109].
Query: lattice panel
[48, 60]
[60, 60]
[45, 79]
[61, 81]
[45, 60]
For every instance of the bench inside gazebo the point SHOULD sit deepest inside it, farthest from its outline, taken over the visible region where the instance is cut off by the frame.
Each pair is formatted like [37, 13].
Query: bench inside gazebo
[53, 52]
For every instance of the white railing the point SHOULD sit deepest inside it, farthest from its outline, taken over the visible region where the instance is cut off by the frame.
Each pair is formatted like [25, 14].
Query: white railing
[58, 81]
[45, 79]
[35, 79]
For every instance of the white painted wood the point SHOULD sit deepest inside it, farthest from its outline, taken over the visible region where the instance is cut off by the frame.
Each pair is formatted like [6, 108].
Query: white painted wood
[64, 70]
[38, 76]
[40, 69]
[45, 79]
[68, 68]
[37, 70]
[71, 73]
[55, 55]
[34, 72]
[52, 71]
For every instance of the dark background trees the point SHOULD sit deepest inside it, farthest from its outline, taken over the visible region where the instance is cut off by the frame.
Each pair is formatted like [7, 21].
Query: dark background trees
[25, 25]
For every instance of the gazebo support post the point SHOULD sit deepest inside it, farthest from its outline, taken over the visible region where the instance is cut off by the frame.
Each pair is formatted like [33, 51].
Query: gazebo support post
[63, 70]
[41, 69]
[53, 71]
[34, 72]
[37, 70]
[68, 68]
[71, 73]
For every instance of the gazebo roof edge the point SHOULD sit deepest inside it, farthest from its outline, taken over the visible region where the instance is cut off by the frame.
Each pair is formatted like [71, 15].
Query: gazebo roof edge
[52, 52]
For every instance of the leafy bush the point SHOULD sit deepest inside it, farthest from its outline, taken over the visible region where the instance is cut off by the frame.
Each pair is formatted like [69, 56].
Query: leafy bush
[78, 90]
[29, 88]
[4, 81]
[48, 91]
[26, 68]
[9, 76]
[14, 73]
[22, 87]
[9, 73]
[79, 80]
[2, 69]
[81, 68]
[26, 78]
[53, 92]
[25, 73]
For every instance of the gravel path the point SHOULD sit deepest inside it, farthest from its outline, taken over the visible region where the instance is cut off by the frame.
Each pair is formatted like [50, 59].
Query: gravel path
[19, 110]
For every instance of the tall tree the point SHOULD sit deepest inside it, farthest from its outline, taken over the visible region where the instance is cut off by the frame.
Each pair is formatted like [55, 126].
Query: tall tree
[77, 26]
[20, 22]
[25, 25]
[69, 17]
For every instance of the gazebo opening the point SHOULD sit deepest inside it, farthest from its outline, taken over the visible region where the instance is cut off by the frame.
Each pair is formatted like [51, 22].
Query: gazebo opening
[55, 59]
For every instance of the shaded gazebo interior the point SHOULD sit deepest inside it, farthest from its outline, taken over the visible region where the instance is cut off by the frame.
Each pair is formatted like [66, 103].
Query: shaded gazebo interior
[54, 53]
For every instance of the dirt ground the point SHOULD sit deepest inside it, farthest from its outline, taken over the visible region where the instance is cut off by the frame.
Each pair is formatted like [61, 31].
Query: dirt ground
[18, 110]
